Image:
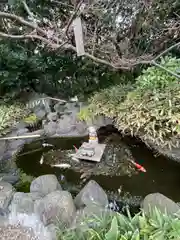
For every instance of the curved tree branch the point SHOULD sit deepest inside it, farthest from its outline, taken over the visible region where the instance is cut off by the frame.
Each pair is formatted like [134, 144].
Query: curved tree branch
[72, 17]
[23, 22]
[167, 50]
[29, 12]
[57, 42]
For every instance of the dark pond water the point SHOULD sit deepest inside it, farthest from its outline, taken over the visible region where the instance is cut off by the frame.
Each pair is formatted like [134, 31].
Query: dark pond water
[162, 174]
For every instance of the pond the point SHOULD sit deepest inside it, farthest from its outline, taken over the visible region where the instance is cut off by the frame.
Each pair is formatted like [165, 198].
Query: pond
[162, 174]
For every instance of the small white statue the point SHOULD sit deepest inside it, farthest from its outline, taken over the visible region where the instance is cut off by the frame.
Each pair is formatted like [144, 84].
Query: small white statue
[93, 135]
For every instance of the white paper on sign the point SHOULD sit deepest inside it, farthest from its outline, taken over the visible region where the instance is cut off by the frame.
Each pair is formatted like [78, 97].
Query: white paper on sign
[78, 33]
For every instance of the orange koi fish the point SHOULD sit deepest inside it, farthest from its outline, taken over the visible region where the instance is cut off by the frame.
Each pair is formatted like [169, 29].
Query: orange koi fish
[139, 167]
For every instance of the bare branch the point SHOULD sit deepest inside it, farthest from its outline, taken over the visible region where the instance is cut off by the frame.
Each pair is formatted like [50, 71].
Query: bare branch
[56, 42]
[61, 3]
[29, 11]
[124, 64]
[22, 21]
[165, 69]
[167, 50]
[30, 36]
[73, 16]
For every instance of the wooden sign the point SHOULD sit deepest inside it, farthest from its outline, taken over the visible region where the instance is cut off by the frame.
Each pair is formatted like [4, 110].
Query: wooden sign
[78, 33]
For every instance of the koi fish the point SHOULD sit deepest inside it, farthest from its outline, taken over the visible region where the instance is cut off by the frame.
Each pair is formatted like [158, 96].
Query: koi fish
[75, 148]
[47, 145]
[41, 160]
[62, 165]
[139, 167]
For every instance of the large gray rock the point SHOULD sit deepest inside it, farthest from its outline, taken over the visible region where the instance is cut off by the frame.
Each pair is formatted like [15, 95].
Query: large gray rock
[8, 155]
[52, 116]
[16, 144]
[101, 121]
[65, 124]
[161, 202]
[56, 206]
[87, 216]
[91, 194]
[10, 178]
[20, 125]
[34, 195]
[59, 107]
[38, 102]
[22, 131]
[50, 128]
[45, 184]
[82, 128]
[72, 107]
[6, 194]
[40, 112]
[52, 229]
[22, 203]
[3, 146]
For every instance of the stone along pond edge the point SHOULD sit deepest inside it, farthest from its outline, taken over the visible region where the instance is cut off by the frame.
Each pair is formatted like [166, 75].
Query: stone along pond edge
[53, 207]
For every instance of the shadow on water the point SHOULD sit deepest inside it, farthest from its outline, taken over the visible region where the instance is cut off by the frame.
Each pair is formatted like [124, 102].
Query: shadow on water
[162, 174]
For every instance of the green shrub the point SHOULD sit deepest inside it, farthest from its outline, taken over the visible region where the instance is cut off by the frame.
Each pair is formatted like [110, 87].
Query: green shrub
[156, 79]
[24, 182]
[54, 73]
[150, 110]
[156, 226]
[106, 102]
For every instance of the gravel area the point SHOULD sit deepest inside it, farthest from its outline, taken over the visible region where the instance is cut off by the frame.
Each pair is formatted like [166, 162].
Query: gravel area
[12, 232]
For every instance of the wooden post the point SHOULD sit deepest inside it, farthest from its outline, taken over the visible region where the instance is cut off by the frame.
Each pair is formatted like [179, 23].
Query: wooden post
[78, 33]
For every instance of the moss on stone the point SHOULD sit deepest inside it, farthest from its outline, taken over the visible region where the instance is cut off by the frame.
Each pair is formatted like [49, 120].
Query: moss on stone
[31, 119]
[11, 114]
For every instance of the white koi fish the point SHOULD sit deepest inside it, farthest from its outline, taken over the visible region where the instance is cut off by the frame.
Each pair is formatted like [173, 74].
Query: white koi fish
[61, 165]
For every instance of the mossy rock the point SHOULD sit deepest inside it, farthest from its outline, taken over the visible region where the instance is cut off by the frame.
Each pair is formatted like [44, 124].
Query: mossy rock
[11, 114]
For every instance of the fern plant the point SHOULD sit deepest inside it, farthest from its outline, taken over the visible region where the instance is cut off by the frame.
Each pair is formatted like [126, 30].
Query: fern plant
[156, 79]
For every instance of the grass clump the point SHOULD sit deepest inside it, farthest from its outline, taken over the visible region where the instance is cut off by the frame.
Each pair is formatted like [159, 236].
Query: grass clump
[152, 109]
[154, 116]
[149, 109]
[105, 102]
[156, 225]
